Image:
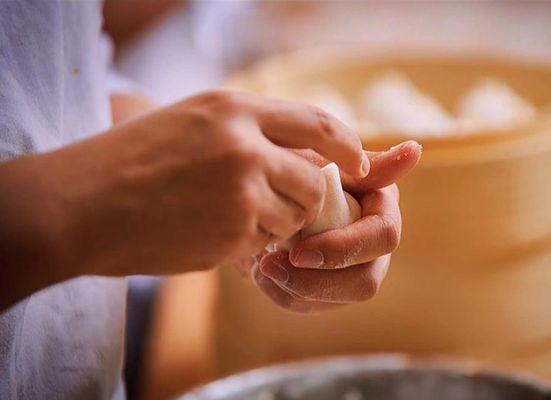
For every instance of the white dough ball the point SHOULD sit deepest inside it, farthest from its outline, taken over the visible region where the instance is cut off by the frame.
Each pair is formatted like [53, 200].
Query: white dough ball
[394, 104]
[330, 100]
[491, 103]
[339, 209]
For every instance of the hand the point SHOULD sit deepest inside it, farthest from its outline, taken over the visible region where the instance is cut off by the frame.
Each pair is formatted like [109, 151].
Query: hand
[192, 186]
[343, 265]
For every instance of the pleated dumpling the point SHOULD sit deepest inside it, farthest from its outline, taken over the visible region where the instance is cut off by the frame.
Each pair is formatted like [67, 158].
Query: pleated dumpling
[394, 104]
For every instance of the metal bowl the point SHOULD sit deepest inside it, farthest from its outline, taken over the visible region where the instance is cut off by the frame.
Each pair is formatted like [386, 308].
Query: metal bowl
[373, 378]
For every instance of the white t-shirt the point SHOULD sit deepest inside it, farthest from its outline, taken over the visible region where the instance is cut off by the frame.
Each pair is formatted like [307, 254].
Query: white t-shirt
[65, 342]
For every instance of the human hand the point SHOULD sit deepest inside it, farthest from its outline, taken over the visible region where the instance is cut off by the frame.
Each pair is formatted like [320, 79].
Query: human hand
[198, 184]
[343, 265]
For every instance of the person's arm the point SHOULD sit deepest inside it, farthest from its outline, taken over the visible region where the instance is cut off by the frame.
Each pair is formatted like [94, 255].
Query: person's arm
[30, 228]
[124, 20]
[125, 106]
[30, 231]
[195, 185]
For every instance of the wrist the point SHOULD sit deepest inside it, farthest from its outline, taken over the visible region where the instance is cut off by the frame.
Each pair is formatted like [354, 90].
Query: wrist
[31, 238]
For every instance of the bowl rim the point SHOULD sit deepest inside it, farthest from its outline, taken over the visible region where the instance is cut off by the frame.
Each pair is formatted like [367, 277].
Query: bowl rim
[235, 384]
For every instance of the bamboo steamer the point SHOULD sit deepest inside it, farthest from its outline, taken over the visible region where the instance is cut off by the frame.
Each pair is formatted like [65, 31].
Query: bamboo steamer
[472, 277]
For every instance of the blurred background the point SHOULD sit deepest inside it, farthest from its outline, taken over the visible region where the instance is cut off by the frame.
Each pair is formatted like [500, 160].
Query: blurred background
[470, 80]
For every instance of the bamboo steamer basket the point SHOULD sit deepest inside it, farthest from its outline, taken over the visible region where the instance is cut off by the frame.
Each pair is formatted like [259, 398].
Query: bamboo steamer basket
[472, 277]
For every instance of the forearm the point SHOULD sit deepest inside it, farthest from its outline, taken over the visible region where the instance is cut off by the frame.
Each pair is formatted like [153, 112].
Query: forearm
[55, 212]
[34, 249]
[30, 226]
[181, 188]
[59, 210]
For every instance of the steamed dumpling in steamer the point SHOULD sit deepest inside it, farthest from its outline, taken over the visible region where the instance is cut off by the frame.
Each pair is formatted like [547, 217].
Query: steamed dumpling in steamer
[490, 103]
[394, 104]
[330, 100]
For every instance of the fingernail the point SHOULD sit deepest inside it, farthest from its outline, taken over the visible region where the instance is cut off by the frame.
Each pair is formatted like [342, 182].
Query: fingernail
[405, 144]
[403, 150]
[366, 165]
[308, 259]
[275, 271]
[397, 147]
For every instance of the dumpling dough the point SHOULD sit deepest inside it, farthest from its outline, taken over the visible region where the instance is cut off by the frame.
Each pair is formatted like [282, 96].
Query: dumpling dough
[493, 104]
[339, 209]
[393, 103]
[332, 101]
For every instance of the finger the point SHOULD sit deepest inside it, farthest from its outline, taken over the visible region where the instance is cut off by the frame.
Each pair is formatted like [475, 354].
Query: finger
[278, 215]
[312, 157]
[386, 167]
[298, 125]
[347, 285]
[298, 180]
[375, 234]
[288, 300]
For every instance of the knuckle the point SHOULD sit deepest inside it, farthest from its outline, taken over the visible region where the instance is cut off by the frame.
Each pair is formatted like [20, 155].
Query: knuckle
[246, 196]
[248, 155]
[211, 106]
[390, 232]
[219, 99]
[243, 151]
[326, 124]
[191, 114]
[285, 228]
